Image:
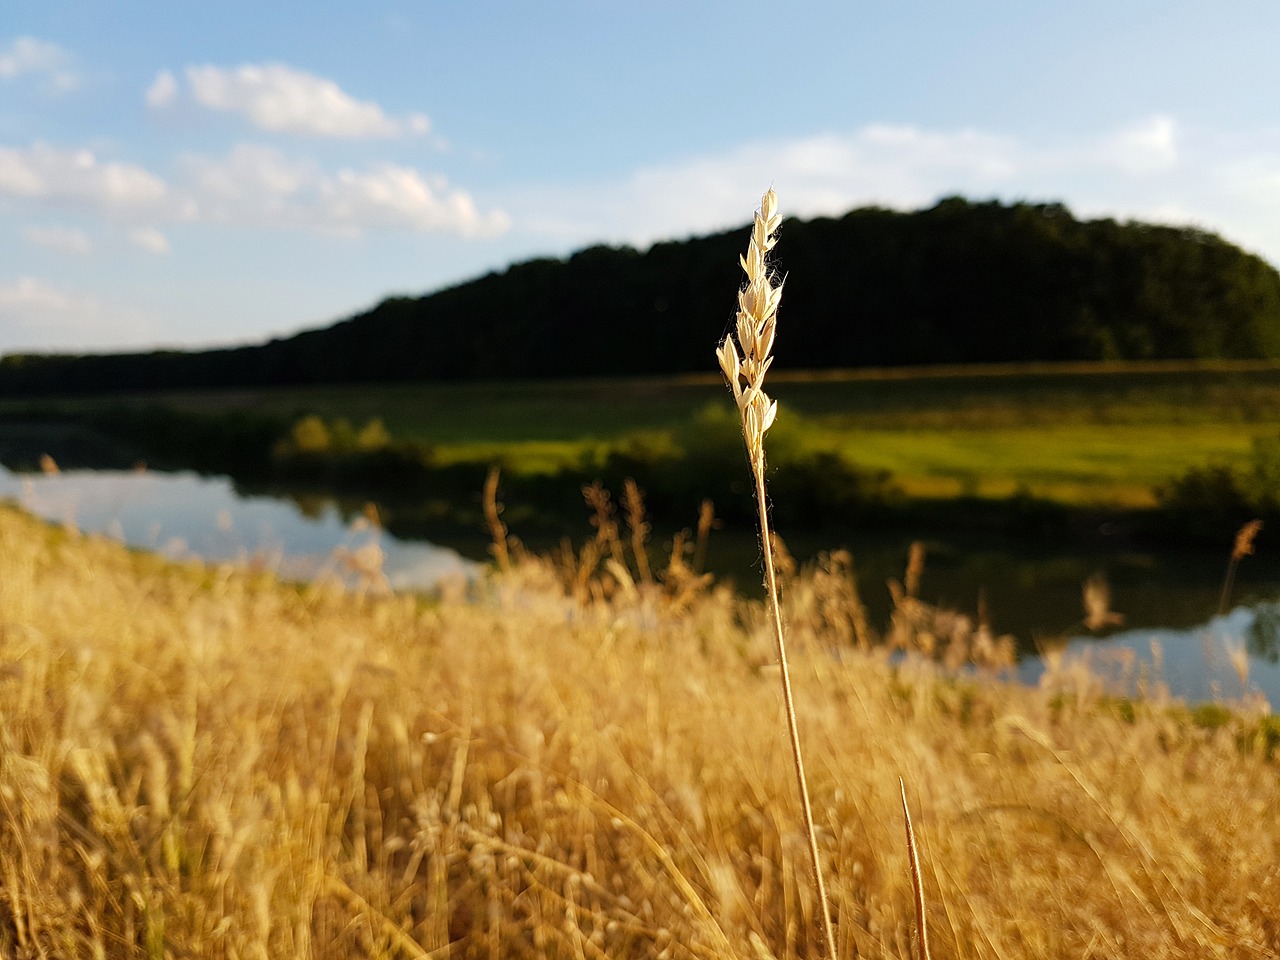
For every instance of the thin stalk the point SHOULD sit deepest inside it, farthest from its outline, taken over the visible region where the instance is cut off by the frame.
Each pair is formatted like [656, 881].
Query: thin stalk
[917, 885]
[771, 585]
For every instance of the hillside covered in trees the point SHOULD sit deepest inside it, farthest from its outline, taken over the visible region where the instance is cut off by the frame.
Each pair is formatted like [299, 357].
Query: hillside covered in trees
[959, 282]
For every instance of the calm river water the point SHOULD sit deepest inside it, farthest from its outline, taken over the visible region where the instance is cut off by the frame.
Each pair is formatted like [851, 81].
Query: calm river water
[185, 515]
[1173, 639]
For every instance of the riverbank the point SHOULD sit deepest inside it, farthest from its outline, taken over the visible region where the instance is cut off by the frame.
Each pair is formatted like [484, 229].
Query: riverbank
[1101, 435]
[203, 760]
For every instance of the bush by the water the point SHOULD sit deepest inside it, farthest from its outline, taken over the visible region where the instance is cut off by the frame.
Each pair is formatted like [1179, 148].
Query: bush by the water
[704, 459]
[1217, 497]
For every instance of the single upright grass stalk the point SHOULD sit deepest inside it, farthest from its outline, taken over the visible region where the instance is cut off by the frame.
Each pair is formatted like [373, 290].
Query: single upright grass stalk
[757, 322]
[493, 515]
[1243, 547]
[917, 886]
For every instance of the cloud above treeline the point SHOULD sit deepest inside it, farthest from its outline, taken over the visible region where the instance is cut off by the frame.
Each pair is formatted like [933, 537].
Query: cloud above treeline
[261, 186]
[36, 313]
[1151, 169]
[252, 186]
[280, 99]
[1148, 169]
[902, 166]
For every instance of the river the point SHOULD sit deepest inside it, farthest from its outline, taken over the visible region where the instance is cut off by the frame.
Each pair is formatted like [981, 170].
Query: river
[1172, 639]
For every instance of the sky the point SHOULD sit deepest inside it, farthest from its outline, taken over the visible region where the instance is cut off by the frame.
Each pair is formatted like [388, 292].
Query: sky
[188, 174]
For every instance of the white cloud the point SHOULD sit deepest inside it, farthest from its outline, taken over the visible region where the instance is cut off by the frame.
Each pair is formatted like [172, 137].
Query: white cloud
[77, 177]
[163, 90]
[281, 99]
[253, 186]
[150, 239]
[896, 165]
[62, 239]
[259, 186]
[1147, 147]
[37, 315]
[27, 55]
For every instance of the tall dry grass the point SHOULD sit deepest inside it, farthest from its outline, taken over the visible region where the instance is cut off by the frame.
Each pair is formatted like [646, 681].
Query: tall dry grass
[205, 763]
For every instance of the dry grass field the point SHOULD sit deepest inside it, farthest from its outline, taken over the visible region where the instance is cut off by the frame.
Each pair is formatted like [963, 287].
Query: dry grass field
[567, 759]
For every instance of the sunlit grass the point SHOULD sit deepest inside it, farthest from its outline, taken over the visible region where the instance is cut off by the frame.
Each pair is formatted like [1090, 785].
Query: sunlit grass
[206, 763]
[523, 457]
[1074, 463]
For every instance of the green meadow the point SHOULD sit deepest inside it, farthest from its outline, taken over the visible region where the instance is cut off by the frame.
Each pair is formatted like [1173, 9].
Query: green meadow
[1083, 434]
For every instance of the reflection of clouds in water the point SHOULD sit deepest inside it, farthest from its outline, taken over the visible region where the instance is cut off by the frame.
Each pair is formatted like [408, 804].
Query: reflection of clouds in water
[1204, 663]
[186, 516]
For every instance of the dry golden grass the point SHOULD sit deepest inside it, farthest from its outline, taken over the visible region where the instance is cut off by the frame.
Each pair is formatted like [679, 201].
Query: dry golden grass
[203, 763]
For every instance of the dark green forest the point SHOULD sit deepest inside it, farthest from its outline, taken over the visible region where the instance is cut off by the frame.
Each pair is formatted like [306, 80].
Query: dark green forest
[959, 282]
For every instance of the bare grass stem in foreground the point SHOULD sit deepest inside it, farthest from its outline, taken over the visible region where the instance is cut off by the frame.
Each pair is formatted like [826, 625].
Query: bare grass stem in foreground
[756, 326]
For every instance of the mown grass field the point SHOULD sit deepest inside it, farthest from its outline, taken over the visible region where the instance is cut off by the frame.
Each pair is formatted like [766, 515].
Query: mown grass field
[1073, 433]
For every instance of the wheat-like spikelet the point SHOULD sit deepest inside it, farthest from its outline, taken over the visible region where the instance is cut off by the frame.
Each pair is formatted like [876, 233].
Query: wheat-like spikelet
[745, 370]
[757, 324]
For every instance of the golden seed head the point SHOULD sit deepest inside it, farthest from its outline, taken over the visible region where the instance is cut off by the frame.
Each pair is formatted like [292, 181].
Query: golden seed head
[745, 363]
[1244, 539]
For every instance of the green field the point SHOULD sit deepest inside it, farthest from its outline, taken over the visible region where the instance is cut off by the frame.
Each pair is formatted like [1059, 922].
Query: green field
[1076, 433]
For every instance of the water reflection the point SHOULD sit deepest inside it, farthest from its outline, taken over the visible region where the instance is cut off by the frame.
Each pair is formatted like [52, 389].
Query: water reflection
[1264, 633]
[1230, 658]
[184, 516]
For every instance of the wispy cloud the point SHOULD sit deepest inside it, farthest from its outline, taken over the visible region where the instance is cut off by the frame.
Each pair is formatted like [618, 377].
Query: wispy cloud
[260, 186]
[281, 99]
[1149, 146]
[78, 178]
[62, 239]
[163, 90]
[36, 314]
[253, 186]
[1151, 169]
[27, 55]
[150, 239]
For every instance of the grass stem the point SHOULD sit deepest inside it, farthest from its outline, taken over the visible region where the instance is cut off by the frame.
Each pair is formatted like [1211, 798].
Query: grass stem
[745, 364]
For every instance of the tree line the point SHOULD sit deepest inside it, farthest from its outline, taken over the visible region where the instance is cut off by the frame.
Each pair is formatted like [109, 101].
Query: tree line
[959, 282]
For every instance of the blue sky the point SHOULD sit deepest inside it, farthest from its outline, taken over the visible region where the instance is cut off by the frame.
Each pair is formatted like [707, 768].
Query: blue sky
[196, 173]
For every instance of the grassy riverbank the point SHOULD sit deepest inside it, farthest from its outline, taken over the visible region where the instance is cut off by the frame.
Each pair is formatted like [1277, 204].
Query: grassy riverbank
[207, 763]
[1073, 434]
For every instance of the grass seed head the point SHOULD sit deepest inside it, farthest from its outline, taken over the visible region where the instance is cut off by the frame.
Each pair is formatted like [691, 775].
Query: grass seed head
[745, 363]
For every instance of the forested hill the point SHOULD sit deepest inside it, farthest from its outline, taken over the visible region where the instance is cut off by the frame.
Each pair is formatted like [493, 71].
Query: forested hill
[956, 283]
